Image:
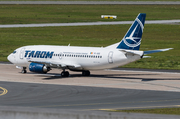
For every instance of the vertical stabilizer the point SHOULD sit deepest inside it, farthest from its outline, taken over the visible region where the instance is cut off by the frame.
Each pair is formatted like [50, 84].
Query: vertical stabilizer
[132, 39]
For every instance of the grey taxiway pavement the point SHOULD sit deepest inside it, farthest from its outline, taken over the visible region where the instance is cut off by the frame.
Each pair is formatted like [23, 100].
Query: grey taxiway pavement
[88, 23]
[103, 90]
[84, 97]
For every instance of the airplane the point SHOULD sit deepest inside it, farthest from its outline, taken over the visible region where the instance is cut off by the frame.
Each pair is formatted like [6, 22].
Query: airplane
[42, 58]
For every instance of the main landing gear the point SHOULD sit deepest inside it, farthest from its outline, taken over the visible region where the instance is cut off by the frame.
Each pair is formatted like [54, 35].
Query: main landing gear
[86, 73]
[64, 73]
[24, 70]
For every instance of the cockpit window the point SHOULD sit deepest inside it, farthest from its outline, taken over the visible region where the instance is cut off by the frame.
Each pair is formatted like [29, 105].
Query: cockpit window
[14, 52]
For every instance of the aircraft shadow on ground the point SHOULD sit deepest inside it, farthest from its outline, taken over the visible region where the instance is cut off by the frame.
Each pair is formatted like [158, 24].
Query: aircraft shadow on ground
[53, 76]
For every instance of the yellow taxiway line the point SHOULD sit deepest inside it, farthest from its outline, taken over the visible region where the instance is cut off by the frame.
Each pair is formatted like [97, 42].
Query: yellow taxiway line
[3, 92]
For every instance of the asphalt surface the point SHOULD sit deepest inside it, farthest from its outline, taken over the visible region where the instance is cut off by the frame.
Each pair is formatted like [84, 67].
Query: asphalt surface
[103, 90]
[83, 97]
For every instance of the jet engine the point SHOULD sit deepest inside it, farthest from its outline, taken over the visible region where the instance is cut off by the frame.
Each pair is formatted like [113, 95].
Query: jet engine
[38, 68]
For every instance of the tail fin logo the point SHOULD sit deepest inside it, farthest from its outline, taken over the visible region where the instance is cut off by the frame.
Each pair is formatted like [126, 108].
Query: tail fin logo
[132, 39]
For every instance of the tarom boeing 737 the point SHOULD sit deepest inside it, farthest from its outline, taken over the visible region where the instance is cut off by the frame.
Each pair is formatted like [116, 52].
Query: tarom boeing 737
[42, 58]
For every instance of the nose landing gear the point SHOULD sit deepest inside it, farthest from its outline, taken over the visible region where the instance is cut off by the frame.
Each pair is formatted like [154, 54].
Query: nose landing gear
[24, 70]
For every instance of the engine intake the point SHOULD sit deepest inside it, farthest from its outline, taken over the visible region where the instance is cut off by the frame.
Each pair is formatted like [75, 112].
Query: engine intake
[38, 68]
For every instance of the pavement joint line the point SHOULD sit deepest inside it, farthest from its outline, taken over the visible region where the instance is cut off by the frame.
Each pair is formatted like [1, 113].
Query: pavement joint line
[143, 71]
[106, 103]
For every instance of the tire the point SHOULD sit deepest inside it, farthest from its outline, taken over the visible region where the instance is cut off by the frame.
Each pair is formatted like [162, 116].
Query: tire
[65, 74]
[86, 73]
[23, 71]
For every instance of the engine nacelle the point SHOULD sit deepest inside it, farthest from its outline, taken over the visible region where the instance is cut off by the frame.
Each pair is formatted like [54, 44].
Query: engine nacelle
[38, 68]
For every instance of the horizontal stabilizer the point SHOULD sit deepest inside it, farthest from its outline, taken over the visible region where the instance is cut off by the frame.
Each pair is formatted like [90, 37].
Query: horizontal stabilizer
[133, 52]
[155, 51]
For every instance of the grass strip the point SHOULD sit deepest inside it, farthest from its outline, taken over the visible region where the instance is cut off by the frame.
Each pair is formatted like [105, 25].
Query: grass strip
[173, 111]
[26, 14]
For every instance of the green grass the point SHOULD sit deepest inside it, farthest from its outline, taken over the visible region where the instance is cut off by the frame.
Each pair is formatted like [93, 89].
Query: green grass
[24, 14]
[173, 111]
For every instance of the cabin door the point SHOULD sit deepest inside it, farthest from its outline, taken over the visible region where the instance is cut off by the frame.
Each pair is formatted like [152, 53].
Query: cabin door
[21, 54]
[110, 57]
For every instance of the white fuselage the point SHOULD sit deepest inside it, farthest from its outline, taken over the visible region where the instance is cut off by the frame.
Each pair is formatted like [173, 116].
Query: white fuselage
[81, 58]
[42, 58]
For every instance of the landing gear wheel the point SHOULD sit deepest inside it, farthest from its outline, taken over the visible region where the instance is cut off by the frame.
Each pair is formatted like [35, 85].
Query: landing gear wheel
[65, 74]
[85, 73]
[24, 70]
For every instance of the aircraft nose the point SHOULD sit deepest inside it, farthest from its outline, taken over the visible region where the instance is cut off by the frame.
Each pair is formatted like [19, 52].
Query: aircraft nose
[10, 58]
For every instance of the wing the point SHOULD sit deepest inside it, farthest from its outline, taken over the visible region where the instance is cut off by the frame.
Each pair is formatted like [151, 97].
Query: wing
[54, 64]
[155, 51]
